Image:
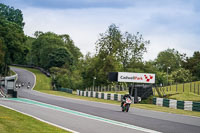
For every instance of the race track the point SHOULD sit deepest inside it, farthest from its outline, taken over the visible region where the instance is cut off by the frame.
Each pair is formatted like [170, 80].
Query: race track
[112, 119]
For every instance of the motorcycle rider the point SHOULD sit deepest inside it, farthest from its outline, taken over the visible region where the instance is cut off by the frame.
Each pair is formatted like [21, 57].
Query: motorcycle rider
[124, 98]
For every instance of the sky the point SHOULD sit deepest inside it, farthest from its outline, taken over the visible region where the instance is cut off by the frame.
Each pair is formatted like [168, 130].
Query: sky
[166, 23]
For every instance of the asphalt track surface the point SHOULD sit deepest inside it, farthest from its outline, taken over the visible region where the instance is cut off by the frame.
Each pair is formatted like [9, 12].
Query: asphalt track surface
[153, 120]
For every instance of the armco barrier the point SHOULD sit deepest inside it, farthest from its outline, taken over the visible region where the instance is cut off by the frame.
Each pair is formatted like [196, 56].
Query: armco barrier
[196, 106]
[115, 97]
[67, 90]
[171, 103]
[159, 101]
[180, 104]
[101, 95]
[154, 100]
[166, 102]
[108, 96]
[188, 105]
[39, 68]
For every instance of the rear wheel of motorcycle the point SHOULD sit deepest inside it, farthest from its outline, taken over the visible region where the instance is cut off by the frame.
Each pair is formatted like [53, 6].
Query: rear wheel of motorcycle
[123, 109]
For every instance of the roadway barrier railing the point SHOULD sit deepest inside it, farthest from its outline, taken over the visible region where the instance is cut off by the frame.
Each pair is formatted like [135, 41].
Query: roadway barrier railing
[67, 90]
[176, 104]
[30, 66]
[102, 95]
[7, 86]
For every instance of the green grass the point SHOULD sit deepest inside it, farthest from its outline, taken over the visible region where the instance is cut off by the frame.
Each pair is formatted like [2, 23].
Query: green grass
[42, 81]
[46, 88]
[11, 73]
[14, 122]
[176, 92]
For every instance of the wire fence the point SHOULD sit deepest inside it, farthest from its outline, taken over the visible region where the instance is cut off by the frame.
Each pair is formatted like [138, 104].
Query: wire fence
[192, 87]
[114, 88]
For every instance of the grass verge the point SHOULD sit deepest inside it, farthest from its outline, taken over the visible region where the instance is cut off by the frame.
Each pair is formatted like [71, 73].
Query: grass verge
[14, 122]
[42, 81]
[186, 96]
[45, 88]
[186, 92]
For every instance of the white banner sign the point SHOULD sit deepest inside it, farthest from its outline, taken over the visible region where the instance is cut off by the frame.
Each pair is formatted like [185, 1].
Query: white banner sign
[136, 77]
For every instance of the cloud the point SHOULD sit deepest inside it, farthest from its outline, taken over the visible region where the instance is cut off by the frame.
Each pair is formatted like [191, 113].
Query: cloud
[167, 24]
[72, 4]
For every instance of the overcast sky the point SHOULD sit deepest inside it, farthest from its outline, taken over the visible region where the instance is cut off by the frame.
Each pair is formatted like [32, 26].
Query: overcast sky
[166, 23]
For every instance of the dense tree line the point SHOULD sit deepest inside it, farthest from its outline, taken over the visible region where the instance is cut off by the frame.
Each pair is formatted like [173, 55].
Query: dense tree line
[115, 51]
[12, 38]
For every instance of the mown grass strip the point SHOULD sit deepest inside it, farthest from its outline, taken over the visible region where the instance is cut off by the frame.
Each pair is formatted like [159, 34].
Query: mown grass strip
[14, 122]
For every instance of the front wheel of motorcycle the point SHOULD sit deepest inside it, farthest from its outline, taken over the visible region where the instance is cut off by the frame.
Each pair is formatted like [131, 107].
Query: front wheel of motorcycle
[127, 107]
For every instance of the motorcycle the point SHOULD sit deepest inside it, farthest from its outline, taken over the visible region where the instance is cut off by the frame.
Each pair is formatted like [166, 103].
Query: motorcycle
[126, 105]
[28, 86]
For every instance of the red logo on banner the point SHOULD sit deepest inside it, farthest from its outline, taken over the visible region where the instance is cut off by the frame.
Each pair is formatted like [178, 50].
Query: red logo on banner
[148, 78]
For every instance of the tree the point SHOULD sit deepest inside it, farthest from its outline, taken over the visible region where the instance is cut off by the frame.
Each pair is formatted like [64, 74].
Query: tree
[28, 43]
[59, 57]
[181, 75]
[50, 50]
[134, 48]
[193, 64]
[2, 65]
[69, 44]
[169, 58]
[125, 48]
[12, 15]
[65, 78]
[11, 36]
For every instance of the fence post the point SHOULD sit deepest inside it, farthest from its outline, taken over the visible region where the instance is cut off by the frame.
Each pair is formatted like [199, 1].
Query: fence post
[183, 87]
[194, 88]
[190, 87]
[170, 87]
[198, 88]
